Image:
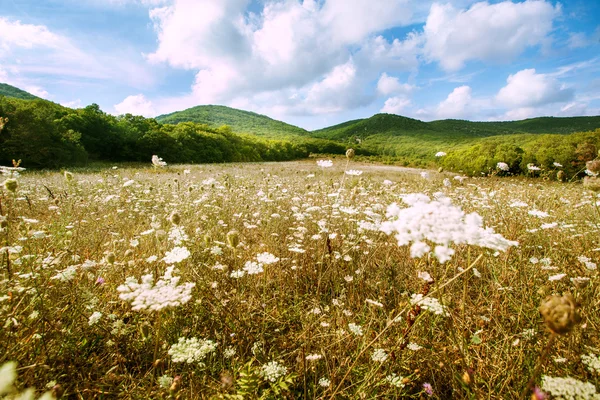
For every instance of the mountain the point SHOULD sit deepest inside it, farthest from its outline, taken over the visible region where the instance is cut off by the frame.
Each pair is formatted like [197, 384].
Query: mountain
[240, 121]
[11, 91]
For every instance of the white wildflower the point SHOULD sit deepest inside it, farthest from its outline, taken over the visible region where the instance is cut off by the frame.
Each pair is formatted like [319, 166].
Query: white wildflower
[440, 222]
[355, 329]
[324, 382]
[502, 166]
[253, 268]
[272, 371]
[266, 258]
[145, 295]
[191, 350]
[429, 303]
[176, 255]
[94, 318]
[395, 380]
[569, 388]
[379, 355]
[592, 362]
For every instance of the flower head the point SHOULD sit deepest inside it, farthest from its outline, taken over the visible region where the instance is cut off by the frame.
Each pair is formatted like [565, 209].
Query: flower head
[158, 161]
[147, 295]
[560, 313]
[325, 163]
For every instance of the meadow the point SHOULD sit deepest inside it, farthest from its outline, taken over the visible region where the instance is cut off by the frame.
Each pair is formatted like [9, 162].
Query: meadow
[297, 280]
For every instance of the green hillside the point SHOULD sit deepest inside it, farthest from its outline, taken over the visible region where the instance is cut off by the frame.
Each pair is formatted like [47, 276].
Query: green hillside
[239, 121]
[395, 125]
[11, 91]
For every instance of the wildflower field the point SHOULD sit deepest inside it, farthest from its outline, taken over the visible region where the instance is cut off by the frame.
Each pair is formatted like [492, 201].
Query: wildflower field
[309, 280]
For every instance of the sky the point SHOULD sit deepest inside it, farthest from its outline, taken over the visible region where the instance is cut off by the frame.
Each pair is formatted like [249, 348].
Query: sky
[311, 63]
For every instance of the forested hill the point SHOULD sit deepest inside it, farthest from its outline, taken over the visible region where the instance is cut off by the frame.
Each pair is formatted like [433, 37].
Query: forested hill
[44, 134]
[239, 121]
[395, 125]
[11, 91]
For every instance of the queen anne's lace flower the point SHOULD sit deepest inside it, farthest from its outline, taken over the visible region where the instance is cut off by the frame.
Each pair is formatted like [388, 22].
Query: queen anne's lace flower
[439, 222]
[325, 163]
[502, 166]
[592, 362]
[429, 303]
[272, 370]
[176, 255]
[146, 295]
[158, 161]
[569, 388]
[191, 350]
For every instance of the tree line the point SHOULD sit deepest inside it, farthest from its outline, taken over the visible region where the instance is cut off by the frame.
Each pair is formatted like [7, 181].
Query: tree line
[47, 135]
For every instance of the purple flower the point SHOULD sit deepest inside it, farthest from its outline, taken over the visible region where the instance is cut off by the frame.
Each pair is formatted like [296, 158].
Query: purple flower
[100, 281]
[428, 389]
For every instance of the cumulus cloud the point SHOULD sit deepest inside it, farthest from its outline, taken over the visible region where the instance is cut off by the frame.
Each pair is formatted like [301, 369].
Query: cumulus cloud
[527, 88]
[390, 85]
[395, 105]
[136, 105]
[488, 32]
[309, 57]
[456, 105]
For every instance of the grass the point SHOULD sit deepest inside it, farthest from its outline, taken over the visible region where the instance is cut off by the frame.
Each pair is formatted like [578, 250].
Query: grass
[297, 312]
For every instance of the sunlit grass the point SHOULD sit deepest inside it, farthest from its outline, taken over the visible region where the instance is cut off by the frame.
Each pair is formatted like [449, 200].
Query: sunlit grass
[327, 312]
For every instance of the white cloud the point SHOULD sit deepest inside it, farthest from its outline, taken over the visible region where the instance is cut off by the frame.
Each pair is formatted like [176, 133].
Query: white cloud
[136, 105]
[17, 34]
[456, 105]
[391, 85]
[395, 105]
[488, 32]
[296, 55]
[351, 21]
[73, 104]
[526, 88]
[27, 50]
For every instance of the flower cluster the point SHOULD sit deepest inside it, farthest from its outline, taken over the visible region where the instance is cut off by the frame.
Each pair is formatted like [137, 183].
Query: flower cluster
[158, 161]
[325, 163]
[502, 166]
[569, 388]
[439, 222]
[176, 255]
[429, 303]
[191, 350]
[592, 362]
[271, 371]
[154, 297]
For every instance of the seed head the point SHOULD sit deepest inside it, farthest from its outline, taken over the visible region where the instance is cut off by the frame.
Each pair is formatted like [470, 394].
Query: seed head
[233, 238]
[11, 185]
[110, 258]
[68, 176]
[350, 154]
[560, 313]
[560, 175]
[175, 218]
[593, 166]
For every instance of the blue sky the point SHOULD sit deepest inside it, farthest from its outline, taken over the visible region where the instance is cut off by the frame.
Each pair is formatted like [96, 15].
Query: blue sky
[312, 63]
